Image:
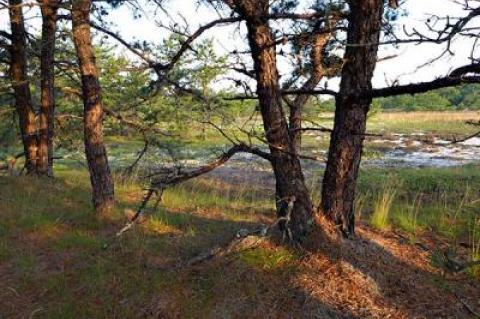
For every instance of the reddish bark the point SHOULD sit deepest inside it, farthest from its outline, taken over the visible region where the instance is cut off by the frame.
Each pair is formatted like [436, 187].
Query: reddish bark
[346, 144]
[290, 183]
[47, 107]
[100, 177]
[21, 85]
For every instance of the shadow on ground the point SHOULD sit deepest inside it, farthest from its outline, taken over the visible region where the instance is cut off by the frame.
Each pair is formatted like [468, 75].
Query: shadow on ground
[59, 260]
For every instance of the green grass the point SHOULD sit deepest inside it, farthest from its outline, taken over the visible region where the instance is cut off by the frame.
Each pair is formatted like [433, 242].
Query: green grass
[78, 240]
[267, 260]
[55, 245]
[438, 200]
[382, 206]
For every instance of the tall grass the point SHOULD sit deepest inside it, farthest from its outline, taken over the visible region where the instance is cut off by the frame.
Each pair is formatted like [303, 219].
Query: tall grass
[433, 122]
[382, 206]
[360, 203]
[407, 217]
[475, 244]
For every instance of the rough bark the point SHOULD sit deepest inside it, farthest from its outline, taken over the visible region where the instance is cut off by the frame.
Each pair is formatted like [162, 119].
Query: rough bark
[339, 182]
[100, 177]
[290, 183]
[47, 106]
[21, 85]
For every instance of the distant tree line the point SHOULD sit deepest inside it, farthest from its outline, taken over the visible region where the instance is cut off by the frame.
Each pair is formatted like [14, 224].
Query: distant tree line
[463, 97]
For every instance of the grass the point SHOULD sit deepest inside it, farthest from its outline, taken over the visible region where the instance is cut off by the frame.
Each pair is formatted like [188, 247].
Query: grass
[442, 123]
[265, 259]
[59, 260]
[61, 251]
[475, 246]
[428, 199]
[382, 206]
[56, 246]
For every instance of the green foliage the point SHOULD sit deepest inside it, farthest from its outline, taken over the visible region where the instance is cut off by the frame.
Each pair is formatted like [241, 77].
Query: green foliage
[452, 98]
[8, 117]
[375, 108]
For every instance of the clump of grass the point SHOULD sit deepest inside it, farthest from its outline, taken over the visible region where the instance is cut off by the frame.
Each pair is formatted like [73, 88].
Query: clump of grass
[314, 193]
[360, 202]
[383, 204]
[267, 259]
[166, 222]
[475, 250]
[408, 219]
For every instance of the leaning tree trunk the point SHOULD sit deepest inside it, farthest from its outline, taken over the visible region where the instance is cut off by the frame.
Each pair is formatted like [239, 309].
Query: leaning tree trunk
[47, 107]
[100, 177]
[339, 182]
[290, 183]
[21, 85]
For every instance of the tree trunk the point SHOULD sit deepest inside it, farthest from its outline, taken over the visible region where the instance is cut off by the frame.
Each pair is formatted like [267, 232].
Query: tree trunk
[21, 85]
[47, 107]
[339, 182]
[100, 177]
[319, 41]
[290, 183]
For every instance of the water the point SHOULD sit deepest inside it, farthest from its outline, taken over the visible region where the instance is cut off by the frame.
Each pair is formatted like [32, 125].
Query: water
[435, 153]
[396, 150]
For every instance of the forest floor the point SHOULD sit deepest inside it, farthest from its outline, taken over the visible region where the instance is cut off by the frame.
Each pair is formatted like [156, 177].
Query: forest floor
[59, 260]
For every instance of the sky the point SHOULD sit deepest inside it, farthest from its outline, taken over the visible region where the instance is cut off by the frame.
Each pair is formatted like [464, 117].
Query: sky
[404, 68]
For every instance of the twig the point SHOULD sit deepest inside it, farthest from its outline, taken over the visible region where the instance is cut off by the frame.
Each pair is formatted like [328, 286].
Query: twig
[141, 210]
[467, 306]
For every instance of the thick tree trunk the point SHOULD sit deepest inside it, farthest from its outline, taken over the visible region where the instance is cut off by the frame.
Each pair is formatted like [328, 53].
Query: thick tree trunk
[47, 108]
[290, 183]
[21, 85]
[339, 182]
[100, 177]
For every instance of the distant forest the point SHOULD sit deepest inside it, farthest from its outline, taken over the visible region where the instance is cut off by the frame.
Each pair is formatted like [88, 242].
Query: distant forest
[465, 97]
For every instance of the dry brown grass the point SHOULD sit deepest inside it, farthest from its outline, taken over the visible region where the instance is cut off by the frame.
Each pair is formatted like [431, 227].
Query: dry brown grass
[443, 116]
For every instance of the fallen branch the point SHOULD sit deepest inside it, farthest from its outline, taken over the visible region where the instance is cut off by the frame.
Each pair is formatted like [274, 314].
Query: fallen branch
[243, 240]
[179, 177]
[467, 306]
[158, 184]
[141, 209]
